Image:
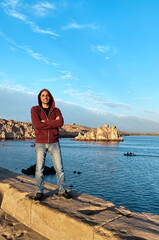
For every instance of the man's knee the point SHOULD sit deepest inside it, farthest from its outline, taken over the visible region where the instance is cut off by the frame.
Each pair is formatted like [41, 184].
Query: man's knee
[59, 170]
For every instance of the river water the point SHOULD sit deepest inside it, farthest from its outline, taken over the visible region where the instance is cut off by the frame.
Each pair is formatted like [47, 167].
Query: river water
[129, 181]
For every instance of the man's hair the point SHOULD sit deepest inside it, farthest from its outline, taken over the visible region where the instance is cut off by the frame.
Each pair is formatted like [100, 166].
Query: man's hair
[45, 91]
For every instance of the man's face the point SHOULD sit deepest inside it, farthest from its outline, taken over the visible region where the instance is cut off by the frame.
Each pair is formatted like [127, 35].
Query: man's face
[45, 97]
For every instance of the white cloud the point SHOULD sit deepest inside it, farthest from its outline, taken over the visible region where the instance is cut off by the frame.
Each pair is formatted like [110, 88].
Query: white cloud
[35, 55]
[7, 38]
[42, 8]
[19, 100]
[14, 8]
[104, 49]
[20, 16]
[95, 99]
[37, 29]
[17, 88]
[10, 3]
[41, 58]
[67, 75]
[28, 50]
[93, 117]
[18, 103]
[55, 64]
[75, 25]
[152, 114]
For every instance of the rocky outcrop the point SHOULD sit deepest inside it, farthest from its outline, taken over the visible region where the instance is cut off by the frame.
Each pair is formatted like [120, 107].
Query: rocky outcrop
[72, 130]
[104, 133]
[10, 129]
[31, 170]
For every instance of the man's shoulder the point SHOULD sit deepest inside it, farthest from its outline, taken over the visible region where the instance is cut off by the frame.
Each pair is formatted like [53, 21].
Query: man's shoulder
[54, 109]
[57, 109]
[35, 108]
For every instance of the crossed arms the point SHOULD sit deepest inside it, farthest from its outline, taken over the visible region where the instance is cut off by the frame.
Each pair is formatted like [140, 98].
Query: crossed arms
[45, 124]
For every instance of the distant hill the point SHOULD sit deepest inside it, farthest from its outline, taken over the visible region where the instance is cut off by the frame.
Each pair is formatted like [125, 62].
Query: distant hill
[138, 134]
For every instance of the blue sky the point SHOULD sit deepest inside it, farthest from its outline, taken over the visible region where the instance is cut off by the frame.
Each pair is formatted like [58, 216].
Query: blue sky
[99, 59]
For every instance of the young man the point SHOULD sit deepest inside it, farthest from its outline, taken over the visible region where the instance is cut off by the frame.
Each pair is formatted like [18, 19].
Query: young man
[46, 119]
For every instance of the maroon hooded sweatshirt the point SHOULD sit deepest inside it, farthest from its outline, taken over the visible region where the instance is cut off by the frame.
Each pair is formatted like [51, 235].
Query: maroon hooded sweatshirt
[46, 132]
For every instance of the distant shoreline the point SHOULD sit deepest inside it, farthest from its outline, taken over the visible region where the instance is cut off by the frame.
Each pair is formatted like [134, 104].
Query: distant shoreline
[138, 134]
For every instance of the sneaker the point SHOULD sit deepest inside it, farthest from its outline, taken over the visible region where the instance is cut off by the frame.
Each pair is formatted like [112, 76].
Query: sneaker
[65, 195]
[38, 196]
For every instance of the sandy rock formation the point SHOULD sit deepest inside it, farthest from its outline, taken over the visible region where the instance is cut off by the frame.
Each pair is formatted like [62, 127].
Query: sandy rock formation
[10, 129]
[104, 133]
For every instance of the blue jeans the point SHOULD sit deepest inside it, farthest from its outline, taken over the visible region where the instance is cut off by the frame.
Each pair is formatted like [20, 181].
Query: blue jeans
[53, 149]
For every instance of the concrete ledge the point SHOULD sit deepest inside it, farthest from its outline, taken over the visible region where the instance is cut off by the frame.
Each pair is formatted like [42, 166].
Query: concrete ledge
[82, 218]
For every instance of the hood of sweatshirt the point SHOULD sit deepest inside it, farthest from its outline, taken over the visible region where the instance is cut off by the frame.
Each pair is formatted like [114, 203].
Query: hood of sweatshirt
[52, 101]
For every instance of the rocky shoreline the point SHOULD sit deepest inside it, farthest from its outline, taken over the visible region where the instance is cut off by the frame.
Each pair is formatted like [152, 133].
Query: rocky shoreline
[10, 129]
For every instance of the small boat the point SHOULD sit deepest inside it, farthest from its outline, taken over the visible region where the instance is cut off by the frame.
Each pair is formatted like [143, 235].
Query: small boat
[32, 145]
[129, 154]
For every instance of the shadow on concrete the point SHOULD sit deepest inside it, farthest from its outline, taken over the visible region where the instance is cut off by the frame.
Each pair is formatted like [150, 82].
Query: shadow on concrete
[6, 174]
[54, 193]
[148, 221]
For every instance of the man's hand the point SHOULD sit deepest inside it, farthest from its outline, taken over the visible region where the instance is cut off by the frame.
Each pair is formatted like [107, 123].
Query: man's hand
[57, 118]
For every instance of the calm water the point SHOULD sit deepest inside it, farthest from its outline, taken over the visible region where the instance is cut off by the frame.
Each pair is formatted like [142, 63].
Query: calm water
[132, 182]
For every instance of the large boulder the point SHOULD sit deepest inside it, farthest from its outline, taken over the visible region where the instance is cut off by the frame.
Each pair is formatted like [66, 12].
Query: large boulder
[31, 170]
[104, 133]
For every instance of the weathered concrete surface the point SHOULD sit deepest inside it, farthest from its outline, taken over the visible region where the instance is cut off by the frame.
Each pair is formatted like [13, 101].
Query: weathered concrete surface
[82, 218]
[12, 229]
